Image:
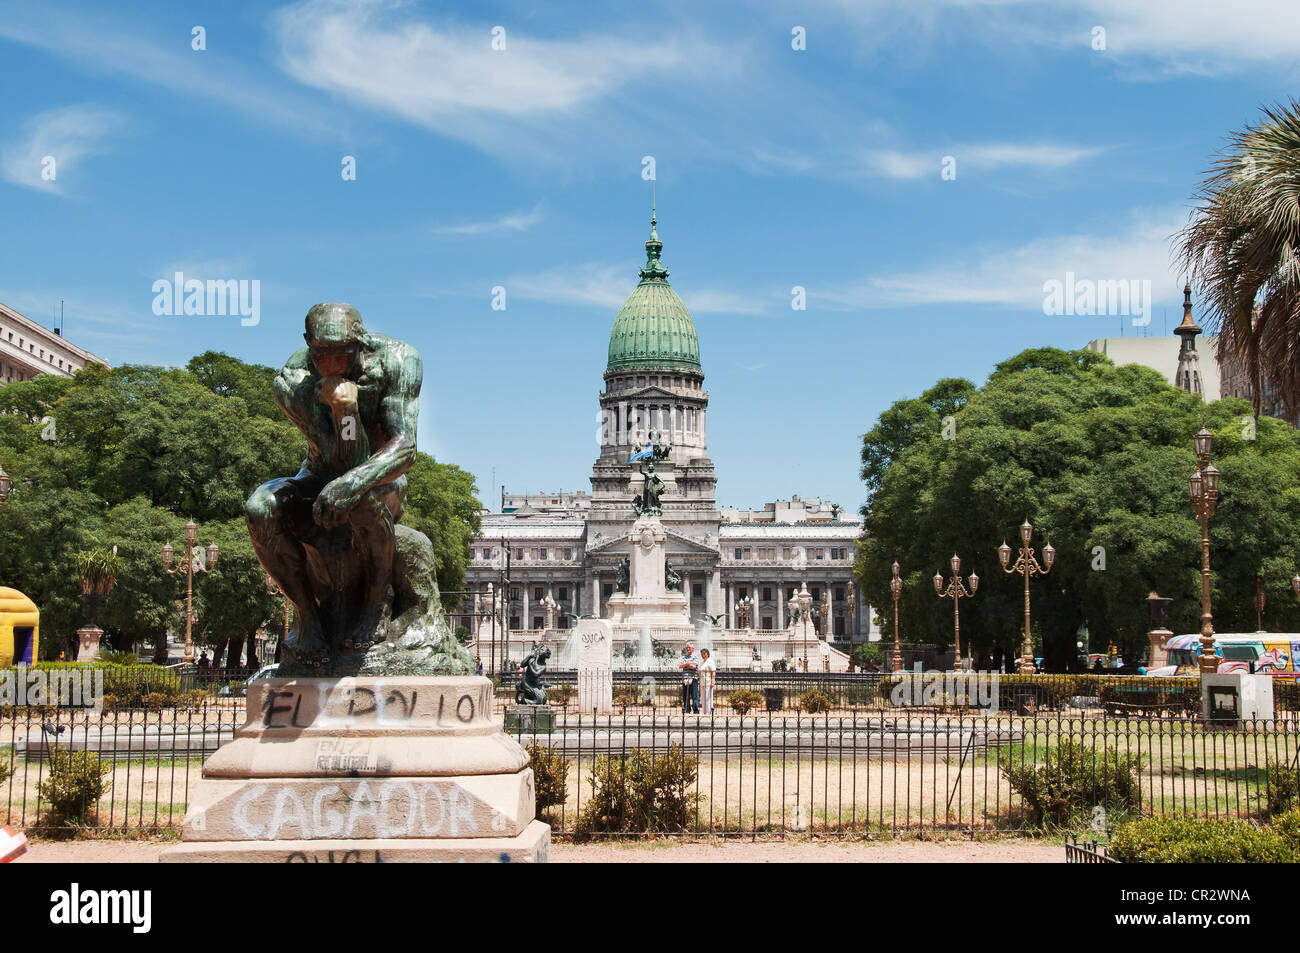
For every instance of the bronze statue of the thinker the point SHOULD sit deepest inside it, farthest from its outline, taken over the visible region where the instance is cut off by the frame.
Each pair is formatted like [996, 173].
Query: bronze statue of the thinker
[362, 585]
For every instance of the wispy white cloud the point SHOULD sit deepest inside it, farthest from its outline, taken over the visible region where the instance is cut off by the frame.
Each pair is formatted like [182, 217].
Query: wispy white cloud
[49, 147]
[980, 157]
[1143, 39]
[512, 222]
[101, 44]
[1138, 249]
[448, 78]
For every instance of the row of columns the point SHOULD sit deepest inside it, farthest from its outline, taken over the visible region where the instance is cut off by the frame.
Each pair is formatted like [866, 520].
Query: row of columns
[633, 423]
[755, 590]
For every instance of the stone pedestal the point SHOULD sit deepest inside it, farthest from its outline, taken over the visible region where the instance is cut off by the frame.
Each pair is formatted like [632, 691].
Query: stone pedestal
[1158, 654]
[595, 638]
[1236, 697]
[530, 718]
[364, 769]
[88, 643]
[648, 600]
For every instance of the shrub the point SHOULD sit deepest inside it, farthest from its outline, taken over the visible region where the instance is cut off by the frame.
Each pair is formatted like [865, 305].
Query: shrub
[74, 785]
[551, 777]
[1177, 839]
[815, 701]
[110, 702]
[1283, 789]
[625, 697]
[156, 701]
[121, 657]
[643, 792]
[5, 769]
[560, 695]
[744, 700]
[194, 700]
[1287, 826]
[1074, 779]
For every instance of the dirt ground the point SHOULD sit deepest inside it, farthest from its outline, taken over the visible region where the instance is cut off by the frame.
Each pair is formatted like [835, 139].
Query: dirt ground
[1006, 850]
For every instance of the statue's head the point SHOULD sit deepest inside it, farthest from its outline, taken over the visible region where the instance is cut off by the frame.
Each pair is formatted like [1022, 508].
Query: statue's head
[335, 337]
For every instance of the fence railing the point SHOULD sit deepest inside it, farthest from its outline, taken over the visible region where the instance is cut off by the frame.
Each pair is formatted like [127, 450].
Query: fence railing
[1079, 850]
[758, 775]
[875, 773]
[646, 692]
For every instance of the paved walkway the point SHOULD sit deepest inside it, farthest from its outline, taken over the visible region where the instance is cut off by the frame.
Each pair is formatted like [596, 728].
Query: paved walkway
[1006, 850]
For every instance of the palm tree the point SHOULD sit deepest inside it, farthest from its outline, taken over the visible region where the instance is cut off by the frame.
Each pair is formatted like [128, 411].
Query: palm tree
[1240, 246]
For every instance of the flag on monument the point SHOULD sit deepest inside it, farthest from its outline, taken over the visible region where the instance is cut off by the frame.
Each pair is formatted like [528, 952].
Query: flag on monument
[645, 454]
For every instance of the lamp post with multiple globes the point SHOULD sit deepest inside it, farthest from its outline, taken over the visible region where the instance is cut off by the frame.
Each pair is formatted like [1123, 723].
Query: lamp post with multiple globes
[852, 603]
[956, 591]
[194, 562]
[802, 603]
[1027, 565]
[896, 587]
[1204, 488]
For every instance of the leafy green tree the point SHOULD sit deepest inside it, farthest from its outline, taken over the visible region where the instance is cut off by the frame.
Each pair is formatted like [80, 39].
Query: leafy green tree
[125, 456]
[440, 503]
[1097, 458]
[227, 376]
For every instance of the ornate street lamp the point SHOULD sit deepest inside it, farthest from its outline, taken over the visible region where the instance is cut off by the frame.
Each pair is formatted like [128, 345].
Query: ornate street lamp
[549, 609]
[743, 608]
[1204, 488]
[852, 604]
[1026, 565]
[896, 587]
[802, 603]
[194, 562]
[955, 591]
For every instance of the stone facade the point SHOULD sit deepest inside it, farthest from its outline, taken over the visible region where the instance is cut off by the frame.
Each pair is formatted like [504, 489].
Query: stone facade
[28, 349]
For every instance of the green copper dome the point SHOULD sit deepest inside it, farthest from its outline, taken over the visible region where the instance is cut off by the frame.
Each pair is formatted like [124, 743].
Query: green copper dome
[653, 328]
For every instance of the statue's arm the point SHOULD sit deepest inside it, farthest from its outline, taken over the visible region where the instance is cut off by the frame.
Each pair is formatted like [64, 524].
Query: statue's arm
[290, 389]
[399, 414]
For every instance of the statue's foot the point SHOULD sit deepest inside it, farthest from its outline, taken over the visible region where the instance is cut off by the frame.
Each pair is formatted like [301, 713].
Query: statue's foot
[371, 630]
[307, 645]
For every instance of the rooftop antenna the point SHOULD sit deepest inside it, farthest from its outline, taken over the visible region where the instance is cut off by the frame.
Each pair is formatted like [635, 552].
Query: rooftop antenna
[58, 328]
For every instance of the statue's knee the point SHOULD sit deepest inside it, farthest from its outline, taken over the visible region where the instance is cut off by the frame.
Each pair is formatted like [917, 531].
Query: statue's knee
[262, 509]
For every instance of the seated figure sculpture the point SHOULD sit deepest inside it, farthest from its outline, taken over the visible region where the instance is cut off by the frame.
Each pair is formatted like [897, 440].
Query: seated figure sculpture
[362, 585]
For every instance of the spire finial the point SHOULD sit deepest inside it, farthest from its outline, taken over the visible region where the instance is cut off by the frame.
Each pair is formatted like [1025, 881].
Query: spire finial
[653, 266]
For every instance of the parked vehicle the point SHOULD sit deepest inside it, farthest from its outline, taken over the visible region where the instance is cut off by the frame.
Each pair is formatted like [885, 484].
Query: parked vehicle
[1271, 652]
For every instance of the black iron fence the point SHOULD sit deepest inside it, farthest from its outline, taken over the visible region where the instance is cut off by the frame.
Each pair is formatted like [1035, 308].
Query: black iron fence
[764, 774]
[646, 692]
[122, 770]
[878, 773]
[1081, 850]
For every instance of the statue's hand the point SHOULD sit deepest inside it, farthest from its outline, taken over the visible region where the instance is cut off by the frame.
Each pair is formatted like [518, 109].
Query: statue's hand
[332, 505]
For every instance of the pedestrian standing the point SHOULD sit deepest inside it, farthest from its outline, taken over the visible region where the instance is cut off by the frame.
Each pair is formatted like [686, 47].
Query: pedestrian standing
[708, 680]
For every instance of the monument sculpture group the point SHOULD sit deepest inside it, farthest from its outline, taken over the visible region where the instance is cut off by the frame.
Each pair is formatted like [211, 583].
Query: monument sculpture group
[375, 742]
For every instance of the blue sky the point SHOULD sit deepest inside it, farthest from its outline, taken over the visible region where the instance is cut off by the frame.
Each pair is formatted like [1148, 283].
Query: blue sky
[775, 167]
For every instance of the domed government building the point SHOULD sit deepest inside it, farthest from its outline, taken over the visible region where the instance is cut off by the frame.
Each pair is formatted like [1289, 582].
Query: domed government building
[563, 551]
